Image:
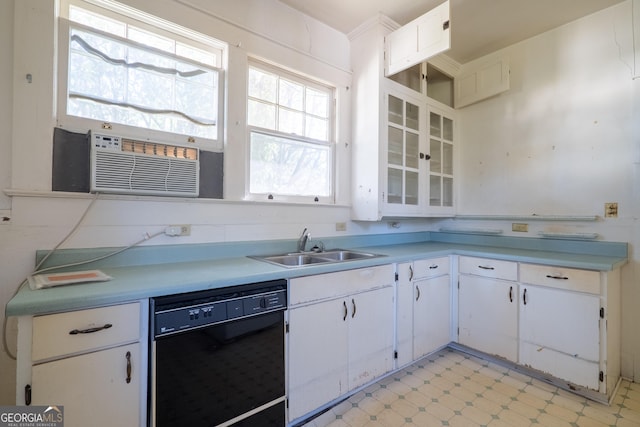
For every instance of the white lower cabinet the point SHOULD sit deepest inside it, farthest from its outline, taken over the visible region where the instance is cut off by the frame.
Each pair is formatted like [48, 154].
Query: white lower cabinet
[562, 322]
[488, 315]
[96, 389]
[570, 326]
[488, 306]
[560, 334]
[423, 308]
[341, 342]
[92, 362]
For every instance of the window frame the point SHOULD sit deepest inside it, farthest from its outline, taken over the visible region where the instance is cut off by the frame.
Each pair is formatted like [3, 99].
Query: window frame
[307, 82]
[122, 13]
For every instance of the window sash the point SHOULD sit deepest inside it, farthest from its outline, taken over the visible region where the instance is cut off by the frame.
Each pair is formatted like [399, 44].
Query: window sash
[177, 121]
[290, 168]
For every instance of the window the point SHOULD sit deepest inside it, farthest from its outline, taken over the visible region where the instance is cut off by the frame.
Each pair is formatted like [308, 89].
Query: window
[123, 69]
[291, 147]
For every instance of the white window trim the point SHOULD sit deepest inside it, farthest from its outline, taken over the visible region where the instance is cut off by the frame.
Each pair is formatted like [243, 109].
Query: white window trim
[151, 23]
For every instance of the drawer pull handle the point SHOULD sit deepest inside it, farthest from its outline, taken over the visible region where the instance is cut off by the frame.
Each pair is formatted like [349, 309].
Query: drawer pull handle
[353, 304]
[27, 394]
[346, 311]
[128, 356]
[433, 267]
[557, 277]
[417, 293]
[90, 330]
[410, 273]
[524, 297]
[485, 267]
[510, 293]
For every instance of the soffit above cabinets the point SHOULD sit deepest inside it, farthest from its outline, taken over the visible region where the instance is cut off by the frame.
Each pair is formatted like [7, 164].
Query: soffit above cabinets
[478, 27]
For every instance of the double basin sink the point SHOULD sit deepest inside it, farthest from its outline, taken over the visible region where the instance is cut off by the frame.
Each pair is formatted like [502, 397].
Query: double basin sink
[299, 259]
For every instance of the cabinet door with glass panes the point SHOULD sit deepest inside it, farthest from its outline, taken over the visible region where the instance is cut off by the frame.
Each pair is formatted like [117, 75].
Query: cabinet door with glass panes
[441, 165]
[403, 192]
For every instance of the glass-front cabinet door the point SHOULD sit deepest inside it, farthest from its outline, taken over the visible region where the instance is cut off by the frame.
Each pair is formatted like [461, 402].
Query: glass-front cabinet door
[441, 143]
[404, 128]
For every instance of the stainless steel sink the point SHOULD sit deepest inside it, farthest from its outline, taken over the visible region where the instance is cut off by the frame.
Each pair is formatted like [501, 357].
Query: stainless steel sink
[345, 255]
[299, 259]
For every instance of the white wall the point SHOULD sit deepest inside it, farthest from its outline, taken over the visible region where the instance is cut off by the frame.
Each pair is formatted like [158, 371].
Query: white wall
[563, 141]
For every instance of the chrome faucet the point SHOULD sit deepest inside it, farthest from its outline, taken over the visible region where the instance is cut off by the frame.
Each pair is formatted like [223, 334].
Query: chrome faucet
[302, 241]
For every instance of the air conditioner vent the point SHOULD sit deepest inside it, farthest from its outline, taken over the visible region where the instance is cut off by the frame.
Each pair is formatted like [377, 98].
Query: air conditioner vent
[140, 167]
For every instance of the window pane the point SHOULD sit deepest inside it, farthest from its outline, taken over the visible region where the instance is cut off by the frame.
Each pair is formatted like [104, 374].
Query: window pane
[261, 114]
[412, 153]
[316, 128]
[317, 103]
[290, 122]
[114, 81]
[395, 110]
[291, 94]
[396, 148]
[289, 167]
[262, 85]
[394, 186]
[447, 132]
[150, 39]
[98, 22]
[412, 194]
[447, 158]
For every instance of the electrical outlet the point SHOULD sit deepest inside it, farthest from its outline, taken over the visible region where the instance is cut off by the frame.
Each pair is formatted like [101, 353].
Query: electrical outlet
[611, 210]
[341, 226]
[178, 230]
[520, 227]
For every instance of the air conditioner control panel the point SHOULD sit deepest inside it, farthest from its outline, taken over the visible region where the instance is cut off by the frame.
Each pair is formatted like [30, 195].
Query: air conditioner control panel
[106, 141]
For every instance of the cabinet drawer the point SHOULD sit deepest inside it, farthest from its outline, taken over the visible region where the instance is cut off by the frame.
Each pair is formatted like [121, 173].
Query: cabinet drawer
[561, 278]
[485, 267]
[330, 285]
[80, 331]
[424, 268]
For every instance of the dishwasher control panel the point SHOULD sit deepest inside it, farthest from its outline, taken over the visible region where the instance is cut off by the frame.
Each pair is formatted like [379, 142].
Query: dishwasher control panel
[174, 314]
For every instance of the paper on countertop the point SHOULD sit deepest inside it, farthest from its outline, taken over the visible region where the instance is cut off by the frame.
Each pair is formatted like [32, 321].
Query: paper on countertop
[49, 280]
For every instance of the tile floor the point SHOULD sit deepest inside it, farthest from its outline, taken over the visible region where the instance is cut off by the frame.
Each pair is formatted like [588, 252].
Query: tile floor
[450, 388]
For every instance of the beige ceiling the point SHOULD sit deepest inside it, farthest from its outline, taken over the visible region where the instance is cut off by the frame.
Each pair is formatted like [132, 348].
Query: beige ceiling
[478, 27]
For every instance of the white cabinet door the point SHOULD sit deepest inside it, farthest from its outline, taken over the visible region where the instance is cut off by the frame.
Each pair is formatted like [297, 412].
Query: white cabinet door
[406, 167]
[488, 315]
[318, 355]
[370, 335]
[479, 81]
[404, 314]
[560, 334]
[93, 387]
[431, 314]
[418, 40]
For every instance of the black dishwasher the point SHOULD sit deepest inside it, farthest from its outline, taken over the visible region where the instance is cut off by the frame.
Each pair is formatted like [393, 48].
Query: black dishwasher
[217, 357]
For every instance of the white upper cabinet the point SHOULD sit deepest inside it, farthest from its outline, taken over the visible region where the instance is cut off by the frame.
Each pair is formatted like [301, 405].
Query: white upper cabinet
[481, 80]
[419, 40]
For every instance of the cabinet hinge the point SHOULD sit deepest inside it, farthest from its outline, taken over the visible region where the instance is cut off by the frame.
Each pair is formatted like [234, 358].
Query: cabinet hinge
[602, 312]
[395, 354]
[286, 327]
[397, 277]
[601, 376]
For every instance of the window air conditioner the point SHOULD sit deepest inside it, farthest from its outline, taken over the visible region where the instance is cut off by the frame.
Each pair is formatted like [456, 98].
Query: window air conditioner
[127, 166]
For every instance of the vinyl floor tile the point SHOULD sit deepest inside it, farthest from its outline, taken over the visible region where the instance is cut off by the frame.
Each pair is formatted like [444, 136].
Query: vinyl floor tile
[453, 389]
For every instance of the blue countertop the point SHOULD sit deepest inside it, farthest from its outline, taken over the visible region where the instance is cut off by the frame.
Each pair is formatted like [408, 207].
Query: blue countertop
[155, 271]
